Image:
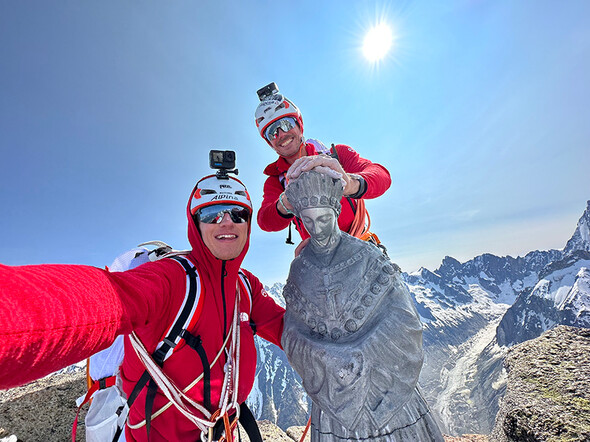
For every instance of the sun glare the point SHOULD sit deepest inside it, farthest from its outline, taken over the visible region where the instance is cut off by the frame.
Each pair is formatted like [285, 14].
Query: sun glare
[377, 42]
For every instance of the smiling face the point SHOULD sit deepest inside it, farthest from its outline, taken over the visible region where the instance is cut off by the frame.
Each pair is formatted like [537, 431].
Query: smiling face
[321, 223]
[288, 144]
[226, 239]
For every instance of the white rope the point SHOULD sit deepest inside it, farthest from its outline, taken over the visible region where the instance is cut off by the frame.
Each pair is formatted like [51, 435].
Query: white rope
[229, 379]
[234, 403]
[185, 390]
[173, 393]
[175, 396]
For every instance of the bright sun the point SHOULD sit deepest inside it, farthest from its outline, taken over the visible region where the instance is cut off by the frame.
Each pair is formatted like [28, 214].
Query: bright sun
[377, 42]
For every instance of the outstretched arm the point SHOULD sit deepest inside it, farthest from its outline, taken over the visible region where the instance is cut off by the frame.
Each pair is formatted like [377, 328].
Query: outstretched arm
[52, 316]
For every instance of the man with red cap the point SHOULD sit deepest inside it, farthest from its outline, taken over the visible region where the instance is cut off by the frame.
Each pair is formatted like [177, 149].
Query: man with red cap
[280, 123]
[56, 315]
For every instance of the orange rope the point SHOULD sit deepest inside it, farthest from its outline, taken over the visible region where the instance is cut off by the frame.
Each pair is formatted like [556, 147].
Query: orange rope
[305, 431]
[359, 226]
[89, 380]
[229, 427]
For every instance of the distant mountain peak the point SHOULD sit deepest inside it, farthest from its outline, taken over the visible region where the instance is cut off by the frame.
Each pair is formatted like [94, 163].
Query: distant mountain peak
[449, 266]
[580, 240]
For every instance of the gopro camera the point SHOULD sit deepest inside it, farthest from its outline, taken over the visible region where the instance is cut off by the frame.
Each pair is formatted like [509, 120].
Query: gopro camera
[224, 161]
[267, 91]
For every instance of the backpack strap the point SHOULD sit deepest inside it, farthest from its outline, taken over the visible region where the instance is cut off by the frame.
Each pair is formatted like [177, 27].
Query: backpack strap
[334, 153]
[187, 315]
[245, 283]
[170, 342]
[196, 343]
[249, 423]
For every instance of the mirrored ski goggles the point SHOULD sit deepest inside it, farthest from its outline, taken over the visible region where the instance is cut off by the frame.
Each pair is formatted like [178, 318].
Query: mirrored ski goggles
[214, 214]
[286, 124]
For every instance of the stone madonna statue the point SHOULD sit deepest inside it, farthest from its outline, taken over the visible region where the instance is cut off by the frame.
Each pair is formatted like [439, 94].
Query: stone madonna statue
[351, 329]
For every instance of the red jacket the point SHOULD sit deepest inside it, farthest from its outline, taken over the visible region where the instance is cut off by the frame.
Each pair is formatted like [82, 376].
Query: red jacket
[55, 315]
[271, 220]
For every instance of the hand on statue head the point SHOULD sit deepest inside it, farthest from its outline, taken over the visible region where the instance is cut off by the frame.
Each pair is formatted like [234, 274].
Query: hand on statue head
[324, 164]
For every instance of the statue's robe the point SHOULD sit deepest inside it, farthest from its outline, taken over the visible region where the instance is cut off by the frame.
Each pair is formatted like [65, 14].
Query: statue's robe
[353, 335]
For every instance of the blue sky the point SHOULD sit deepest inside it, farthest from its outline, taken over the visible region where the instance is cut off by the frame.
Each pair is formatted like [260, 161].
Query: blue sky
[108, 111]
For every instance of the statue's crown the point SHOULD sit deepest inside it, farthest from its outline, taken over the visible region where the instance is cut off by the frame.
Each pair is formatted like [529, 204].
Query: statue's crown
[314, 189]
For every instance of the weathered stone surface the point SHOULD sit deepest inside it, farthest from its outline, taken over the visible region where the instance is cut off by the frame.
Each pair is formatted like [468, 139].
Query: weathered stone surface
[43, 410]
[351, 329]
[548, 390]
[269, 432]
[295, 433]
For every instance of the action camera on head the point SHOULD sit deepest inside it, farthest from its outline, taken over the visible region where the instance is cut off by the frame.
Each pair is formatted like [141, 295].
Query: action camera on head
[267, 91]
[224, 161]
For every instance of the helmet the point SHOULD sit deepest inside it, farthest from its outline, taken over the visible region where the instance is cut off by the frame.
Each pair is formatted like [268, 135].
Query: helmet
[273, 108]
[213, 190]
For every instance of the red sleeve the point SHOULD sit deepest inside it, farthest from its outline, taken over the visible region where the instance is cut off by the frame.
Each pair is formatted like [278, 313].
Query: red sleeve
[377, 177]
[269, 218]
[53, 316]
[266, 313]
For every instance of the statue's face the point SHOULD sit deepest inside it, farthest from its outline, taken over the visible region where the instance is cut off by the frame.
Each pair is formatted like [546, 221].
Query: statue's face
[320, 222]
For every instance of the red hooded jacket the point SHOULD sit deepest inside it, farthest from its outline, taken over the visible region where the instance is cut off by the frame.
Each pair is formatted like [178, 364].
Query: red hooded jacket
[271, 220]
[55, 315]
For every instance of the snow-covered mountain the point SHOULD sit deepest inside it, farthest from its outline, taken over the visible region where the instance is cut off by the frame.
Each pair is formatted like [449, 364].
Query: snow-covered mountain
[561, 296]
[472, 312]
[461, 306]
[580, 240]
[277, 395]
[551, 288]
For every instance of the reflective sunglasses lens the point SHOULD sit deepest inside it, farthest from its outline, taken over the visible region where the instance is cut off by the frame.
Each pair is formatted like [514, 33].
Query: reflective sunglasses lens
[286, 124]
[214, 214]
[239, 215]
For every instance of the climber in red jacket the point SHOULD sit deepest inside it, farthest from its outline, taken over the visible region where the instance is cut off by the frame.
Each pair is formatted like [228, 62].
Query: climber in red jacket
[55, 315]
[280, 123]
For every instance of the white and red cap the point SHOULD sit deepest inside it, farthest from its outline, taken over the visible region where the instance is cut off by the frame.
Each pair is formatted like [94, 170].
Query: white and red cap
[274, 108]
[213, 190]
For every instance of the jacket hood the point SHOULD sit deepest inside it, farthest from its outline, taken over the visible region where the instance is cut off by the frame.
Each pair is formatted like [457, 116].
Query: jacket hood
[202, 255]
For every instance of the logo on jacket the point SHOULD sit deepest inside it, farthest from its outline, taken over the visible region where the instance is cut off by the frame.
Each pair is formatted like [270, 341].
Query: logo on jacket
[244, 317]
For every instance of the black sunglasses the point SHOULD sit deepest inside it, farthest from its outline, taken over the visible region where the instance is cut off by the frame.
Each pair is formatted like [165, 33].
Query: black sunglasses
[214, 214]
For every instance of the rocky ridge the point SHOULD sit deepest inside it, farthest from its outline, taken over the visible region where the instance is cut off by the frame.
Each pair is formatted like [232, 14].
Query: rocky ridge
[548, 389]
[44, 410]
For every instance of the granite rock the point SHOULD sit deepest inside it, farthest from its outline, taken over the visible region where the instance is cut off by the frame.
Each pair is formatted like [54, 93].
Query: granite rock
[43, 410]
[548, 389]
